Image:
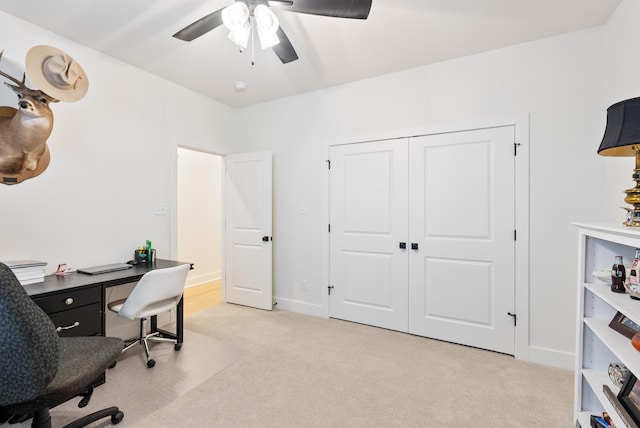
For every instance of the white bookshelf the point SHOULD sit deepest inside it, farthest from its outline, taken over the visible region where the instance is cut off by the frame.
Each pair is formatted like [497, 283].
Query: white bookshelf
[598, 345]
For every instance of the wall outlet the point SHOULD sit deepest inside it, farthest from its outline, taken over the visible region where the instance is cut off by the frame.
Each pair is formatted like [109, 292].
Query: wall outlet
[303, 284]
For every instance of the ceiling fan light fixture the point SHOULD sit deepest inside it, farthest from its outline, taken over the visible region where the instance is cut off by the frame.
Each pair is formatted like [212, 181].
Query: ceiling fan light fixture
[235, 16]
[240, 36]
[236, 19]
[267, 24]
[268, 40]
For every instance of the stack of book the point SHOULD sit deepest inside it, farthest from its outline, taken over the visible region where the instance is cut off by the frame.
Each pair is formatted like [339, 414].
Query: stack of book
[28, 271]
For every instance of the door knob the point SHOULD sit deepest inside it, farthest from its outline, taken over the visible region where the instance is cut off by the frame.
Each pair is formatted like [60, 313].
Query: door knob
[414, 245]
[403, 245]
[265, 239]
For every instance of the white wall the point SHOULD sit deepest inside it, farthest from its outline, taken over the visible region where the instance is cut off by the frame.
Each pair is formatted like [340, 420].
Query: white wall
[200, 214]
[558, 81]
[622, 81]
[112, 159]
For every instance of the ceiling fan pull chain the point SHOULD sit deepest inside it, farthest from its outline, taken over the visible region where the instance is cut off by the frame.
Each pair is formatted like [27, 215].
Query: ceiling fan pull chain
[253, 41]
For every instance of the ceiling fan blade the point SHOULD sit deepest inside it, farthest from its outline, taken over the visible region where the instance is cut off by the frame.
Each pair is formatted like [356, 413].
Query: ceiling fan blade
[284, 49]
[280, 2]
[200, 27]
[355, 9]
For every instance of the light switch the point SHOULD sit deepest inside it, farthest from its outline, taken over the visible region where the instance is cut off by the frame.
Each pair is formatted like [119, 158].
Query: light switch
[160, 208]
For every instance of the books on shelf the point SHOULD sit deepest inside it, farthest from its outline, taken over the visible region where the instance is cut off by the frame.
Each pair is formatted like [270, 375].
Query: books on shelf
[28, 271]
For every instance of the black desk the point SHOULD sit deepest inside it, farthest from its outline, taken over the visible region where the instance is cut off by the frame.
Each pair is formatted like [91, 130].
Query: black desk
[76, 302]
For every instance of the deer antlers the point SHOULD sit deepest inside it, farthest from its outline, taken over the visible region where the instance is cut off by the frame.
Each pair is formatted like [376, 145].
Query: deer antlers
[13, 79]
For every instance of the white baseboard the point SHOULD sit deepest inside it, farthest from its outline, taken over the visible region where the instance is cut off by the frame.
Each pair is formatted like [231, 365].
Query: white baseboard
[551, 357]
[202, 278]
[298, 306]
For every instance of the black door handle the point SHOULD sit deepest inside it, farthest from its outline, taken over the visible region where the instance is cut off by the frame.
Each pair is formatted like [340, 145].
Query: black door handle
[265, 239]
[403, 245]
[414, 245]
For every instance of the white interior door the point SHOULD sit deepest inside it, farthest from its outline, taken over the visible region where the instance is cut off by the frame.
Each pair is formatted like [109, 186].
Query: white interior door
[368, 217]
[461, 280]
[248, 215]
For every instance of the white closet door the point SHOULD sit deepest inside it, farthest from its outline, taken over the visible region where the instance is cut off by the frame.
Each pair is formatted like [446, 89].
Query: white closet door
[461, 280]
[248, 248]
[368, 216]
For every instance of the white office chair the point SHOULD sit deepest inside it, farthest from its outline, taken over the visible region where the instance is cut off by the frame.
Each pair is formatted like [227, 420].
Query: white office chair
[157, 291]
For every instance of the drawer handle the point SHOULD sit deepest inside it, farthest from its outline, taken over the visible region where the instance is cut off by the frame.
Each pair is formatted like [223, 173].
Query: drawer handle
[74, 325]
[68, 301]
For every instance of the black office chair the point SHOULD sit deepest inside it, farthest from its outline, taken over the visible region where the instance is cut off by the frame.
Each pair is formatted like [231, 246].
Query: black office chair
[38, 369]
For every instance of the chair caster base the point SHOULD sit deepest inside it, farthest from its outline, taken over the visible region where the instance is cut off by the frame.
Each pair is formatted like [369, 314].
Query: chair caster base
[115, 414]
[117, 418]
[151, 363]
[177, 346]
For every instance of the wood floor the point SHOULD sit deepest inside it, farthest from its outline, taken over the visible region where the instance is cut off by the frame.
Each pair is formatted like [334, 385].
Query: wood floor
[202, 296]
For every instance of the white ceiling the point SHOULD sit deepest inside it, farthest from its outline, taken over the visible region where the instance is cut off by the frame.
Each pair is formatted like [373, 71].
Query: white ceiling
[399, 34]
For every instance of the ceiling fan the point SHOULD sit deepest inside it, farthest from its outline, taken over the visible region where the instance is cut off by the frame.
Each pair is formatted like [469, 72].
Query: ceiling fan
[241, 17]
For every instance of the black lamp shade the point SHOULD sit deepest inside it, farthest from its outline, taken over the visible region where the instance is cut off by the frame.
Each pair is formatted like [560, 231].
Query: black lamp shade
[623, 129]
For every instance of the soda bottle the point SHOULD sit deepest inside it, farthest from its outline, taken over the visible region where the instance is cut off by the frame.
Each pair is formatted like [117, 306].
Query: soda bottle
[634, 279]
[618, 276]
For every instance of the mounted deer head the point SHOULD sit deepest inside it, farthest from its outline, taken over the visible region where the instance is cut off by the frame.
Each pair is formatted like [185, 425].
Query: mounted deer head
[25, 130]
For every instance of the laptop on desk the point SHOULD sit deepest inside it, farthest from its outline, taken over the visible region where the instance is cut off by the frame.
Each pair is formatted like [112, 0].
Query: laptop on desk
[95, 270]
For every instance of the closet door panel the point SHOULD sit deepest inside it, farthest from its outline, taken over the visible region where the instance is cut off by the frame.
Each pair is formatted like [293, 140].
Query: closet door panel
[368, 215]
[461, 280]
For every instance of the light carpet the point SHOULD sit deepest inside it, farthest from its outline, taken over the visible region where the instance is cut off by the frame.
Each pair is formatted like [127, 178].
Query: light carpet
[243, 367]
[139, 391]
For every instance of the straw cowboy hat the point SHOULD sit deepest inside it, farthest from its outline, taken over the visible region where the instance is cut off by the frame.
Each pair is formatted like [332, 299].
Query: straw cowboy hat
[56, 74]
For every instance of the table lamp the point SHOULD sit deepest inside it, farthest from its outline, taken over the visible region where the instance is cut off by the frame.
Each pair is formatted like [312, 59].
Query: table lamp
[622, 138]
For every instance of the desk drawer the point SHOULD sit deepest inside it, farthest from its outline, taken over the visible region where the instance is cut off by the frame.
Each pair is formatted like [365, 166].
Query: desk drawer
[89, 319]
[70, 299]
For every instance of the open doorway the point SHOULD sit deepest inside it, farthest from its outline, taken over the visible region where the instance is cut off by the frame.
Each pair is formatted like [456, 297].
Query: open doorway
[199, 226]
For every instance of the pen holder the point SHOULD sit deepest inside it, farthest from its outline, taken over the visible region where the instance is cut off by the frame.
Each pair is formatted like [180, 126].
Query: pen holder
[142, 256]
